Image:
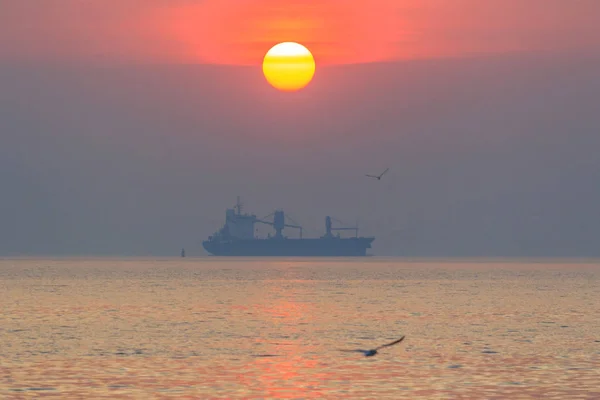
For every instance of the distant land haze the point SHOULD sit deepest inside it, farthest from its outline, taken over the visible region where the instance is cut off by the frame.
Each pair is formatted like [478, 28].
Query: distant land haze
[114, 141]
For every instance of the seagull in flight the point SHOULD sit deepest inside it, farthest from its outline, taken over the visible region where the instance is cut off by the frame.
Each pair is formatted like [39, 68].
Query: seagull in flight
[372, 352]
[378, 177]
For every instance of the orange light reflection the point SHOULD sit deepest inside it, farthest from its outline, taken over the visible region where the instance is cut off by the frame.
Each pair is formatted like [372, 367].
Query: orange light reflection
[292, 373]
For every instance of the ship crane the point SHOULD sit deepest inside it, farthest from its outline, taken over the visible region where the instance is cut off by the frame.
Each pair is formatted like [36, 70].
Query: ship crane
[329, 227]
[279, 223]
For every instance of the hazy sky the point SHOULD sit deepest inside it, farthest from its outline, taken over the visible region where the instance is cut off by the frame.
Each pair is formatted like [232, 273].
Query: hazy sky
[337, 31]
[128, 127]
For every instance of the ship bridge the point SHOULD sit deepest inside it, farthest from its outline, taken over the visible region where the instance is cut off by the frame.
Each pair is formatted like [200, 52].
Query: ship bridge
[238, 225]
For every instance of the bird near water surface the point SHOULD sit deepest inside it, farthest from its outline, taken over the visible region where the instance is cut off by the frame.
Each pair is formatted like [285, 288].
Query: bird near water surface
[372, 352]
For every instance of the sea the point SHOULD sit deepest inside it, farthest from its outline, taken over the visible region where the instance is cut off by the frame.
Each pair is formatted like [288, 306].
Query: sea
[275, 328]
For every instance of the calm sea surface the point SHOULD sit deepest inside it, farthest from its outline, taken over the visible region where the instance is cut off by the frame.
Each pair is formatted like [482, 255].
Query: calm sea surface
[272, 328]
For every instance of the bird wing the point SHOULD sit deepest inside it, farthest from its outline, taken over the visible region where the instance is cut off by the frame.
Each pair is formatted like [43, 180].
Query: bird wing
[391, 344]
[383, 173]
[372, 176]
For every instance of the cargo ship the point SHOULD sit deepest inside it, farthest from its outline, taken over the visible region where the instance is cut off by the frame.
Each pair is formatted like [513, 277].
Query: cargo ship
[237, 238]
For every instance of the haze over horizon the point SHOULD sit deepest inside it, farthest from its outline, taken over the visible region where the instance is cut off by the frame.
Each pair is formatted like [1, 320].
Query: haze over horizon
[114, 148]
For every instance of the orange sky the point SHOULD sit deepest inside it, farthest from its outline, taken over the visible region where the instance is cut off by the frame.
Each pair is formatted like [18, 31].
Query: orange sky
[337, 31]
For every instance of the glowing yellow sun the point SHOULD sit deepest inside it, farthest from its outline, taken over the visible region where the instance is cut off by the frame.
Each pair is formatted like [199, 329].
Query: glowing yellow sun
[289, 66]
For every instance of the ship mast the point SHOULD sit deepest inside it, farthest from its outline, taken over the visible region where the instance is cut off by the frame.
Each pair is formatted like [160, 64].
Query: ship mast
[238, 206]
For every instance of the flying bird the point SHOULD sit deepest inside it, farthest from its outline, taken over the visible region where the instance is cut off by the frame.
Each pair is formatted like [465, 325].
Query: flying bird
[372, 352]
[378, 177]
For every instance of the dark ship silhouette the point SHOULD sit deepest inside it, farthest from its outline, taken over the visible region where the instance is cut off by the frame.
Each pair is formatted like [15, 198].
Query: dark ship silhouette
[236, 238]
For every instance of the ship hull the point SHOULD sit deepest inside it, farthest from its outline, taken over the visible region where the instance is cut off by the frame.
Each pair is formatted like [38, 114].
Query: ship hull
[330, 247]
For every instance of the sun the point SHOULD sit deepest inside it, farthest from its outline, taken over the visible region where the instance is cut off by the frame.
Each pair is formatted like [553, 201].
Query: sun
[289, 66]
